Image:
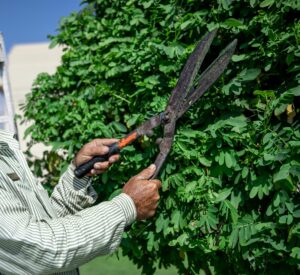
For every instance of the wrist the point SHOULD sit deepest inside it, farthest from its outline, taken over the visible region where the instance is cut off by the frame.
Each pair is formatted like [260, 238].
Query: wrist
[128, 207]
[73, 165]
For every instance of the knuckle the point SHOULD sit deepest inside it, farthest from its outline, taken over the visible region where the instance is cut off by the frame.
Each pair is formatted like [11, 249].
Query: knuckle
[101, 165]
[152, 213]
[152, 186]
[114, 158]
[157, 183]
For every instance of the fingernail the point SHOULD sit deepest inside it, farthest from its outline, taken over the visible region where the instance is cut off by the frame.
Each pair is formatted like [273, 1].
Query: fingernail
[152, 166]
[105, 149]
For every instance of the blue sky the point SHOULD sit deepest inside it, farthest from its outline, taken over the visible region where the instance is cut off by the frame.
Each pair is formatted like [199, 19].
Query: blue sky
[27, 21]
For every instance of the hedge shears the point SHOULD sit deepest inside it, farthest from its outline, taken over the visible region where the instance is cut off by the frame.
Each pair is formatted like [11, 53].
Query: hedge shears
[183, 96]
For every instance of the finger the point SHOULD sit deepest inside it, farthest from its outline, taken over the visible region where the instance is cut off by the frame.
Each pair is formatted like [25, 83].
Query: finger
[96, 172]
[155, 206]
[101, 165]
[146, 173]
[157, 182]
[114, 158]
[151, 213]
[105, 141]
[94, 149]
[100, 146]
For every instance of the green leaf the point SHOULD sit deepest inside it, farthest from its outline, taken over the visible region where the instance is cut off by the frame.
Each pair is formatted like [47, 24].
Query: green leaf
[245, 172]
[237, 122]
[119, 127]
[53, 44]
[225, 4]
[232, 22]
[268, 137]
[59, 145]
[28, 131]
[132, 120]
[150, 243]
[290, 206]
[286, 219]
[204, 161]
[177, 219]
[223, 195]
[229, 159]
[277, 200]
[252, 3]
[270, 210]
[266, 3]
[295, 253]
[238, 58]
[115, 193]
[253, 192]
[282, 174]
[233, 211]
[296, 213]
[250, 74]
[185, 24]
[221, 158]
[159, 223]
[189, 133]
[265, 93]
[290, 219]
[286, 98]
[147, 4]
[233, 238]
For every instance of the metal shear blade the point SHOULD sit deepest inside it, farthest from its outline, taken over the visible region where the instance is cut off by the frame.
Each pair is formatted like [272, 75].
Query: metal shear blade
[184, 94]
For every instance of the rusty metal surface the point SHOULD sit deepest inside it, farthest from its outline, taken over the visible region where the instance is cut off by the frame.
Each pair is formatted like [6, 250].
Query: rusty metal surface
[187, 92]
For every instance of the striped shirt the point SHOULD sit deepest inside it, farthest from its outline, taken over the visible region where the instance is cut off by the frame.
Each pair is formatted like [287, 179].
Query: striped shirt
[53, 235]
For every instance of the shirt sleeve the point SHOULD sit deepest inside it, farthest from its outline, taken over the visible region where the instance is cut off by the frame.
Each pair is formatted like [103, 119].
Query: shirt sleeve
[28, 246]
[72, 194]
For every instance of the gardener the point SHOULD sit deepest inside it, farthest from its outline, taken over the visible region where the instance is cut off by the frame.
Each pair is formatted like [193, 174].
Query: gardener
[42, 235]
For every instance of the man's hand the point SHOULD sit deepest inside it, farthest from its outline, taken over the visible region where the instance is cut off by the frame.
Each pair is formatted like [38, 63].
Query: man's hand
[97, 147]
[144, 192]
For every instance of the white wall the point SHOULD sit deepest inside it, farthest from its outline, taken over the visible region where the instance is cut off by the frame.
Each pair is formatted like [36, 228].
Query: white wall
[25, 62]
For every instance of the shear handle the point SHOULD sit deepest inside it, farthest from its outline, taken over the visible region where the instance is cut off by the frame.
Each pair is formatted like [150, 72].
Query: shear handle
[86, 167]
[115, 148]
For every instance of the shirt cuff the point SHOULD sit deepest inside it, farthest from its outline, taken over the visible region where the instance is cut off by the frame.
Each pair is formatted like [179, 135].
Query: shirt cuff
[126, 203]
[77, 183]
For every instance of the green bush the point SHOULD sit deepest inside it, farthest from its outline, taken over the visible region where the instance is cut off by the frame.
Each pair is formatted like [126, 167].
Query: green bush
[230, 194]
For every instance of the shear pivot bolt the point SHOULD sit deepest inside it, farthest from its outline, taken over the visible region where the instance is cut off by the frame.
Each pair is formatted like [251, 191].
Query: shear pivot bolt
[150, 133]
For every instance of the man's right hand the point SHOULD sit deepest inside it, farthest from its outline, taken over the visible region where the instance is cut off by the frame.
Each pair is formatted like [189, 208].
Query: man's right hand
[144, 192]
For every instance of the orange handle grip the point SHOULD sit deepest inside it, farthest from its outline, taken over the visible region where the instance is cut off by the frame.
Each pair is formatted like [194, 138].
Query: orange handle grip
[127, 140]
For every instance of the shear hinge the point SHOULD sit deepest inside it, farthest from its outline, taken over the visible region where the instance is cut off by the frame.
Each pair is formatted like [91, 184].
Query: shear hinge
[164, 118]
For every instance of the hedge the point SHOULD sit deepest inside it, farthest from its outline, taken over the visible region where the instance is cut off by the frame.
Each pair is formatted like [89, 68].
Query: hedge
[230, 186]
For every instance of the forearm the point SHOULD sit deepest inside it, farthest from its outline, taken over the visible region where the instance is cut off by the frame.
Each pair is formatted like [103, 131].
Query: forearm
[72, 194]
[63, 244]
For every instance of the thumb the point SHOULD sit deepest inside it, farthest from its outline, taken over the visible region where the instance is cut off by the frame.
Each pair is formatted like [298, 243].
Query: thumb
[146, 173]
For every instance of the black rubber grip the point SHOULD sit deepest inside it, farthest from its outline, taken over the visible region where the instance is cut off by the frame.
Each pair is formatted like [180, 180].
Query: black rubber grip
[86, 167]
